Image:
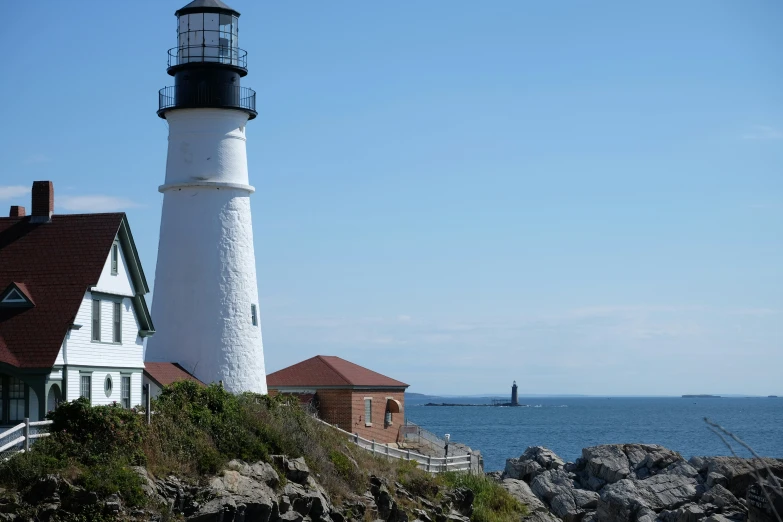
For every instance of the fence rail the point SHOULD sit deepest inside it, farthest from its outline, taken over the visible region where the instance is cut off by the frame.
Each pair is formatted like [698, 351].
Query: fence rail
[431, 464]
[26, 432]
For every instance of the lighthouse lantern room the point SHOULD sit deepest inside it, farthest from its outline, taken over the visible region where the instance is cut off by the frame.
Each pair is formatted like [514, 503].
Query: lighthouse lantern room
[205, 299]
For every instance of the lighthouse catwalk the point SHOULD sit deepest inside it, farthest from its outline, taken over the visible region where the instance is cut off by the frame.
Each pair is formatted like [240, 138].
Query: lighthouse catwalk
[205, 300]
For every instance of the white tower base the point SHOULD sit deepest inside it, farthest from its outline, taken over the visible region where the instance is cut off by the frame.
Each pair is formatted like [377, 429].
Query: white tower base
[205, 299]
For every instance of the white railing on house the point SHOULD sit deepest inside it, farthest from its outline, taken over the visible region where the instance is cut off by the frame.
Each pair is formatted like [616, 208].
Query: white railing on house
[431, 464]
[18, 438]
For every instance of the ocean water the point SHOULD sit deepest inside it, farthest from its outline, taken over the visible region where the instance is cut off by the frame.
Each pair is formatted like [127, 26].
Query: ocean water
[566, 425]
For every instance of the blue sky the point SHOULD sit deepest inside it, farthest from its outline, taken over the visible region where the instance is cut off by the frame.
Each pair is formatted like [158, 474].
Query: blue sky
[584, 197]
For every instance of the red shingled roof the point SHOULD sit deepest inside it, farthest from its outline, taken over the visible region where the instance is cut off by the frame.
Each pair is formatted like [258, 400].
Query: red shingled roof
[56, 263]
[328, 370]
[164, 373]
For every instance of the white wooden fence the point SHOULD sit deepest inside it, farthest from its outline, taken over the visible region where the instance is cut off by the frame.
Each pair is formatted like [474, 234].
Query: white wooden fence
[19, 438]
[431, 464]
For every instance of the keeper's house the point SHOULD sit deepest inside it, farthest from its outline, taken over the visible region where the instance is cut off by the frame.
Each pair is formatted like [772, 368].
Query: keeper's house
[354, 398]
[72, 312]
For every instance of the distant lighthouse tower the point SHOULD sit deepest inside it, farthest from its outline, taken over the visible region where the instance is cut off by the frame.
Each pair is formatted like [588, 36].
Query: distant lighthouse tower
[514, 395]
[205, 300]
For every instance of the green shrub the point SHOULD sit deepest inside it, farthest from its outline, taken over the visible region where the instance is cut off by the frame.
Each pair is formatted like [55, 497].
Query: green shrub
[342, 464]
[25, 469]
[97, 433]
[492, 503]
[114, 477]
[417, 481]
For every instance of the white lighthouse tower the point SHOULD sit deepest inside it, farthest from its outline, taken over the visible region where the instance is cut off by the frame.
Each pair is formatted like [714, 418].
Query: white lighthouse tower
[205, 300]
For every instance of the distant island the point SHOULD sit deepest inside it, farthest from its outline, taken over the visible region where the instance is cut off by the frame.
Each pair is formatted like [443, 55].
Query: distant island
[701, 396]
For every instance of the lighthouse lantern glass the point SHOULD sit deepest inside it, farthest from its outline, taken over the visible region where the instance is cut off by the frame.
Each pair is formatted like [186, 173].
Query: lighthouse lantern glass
[208, 37]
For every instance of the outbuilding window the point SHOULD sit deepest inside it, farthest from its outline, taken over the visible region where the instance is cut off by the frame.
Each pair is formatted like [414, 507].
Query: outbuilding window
[368, 411]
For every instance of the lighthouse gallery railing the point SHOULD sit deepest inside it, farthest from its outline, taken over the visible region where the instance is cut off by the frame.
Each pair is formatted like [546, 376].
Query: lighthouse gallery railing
[223, 96]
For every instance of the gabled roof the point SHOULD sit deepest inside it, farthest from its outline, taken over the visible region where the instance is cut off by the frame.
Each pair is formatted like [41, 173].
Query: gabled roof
[56, 263]
[328, 370]
[165, 373]
[16, 292]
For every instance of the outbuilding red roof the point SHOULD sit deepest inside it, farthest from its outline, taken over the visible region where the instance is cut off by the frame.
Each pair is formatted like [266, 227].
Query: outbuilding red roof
[328, 370]
[54, 264]
[165, 373]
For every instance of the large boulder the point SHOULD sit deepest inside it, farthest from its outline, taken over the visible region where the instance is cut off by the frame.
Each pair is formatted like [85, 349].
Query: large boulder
[739, 472]
[533, 461]
[556, 488]
[522, 492]
[626, 499]
[295, 470]
[608, 463]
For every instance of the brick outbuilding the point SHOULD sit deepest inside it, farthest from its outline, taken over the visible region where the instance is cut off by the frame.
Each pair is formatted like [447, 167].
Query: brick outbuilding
[354, 398]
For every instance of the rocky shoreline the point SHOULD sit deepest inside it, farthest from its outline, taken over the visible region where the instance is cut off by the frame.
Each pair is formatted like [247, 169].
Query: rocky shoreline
[640, 483]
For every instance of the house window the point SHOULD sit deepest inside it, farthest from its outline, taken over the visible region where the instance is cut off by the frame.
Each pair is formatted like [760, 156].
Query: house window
[254, 314]
[115, 258]
[367, 411]
[96, 320]
[86, 387]
[125, 391]
[117, 323]
[15, 400]
[107, 386]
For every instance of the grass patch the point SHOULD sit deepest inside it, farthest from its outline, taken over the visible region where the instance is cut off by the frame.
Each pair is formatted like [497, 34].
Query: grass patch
[492, 502]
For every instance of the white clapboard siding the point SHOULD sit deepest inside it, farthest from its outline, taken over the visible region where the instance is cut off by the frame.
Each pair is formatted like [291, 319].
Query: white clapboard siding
[119, 284]
[80, 349]
[99, 397]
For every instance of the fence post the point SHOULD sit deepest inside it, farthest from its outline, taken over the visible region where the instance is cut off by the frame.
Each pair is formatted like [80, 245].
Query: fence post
[387, 451]
[356, 438]
[409, 454]
[373, 447]
[429, 463]
[470, 462]
[148, 412]
[26, 434]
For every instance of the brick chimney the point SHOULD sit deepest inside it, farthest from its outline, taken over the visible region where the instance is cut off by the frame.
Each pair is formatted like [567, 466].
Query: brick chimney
[17, 211]
[43, 202]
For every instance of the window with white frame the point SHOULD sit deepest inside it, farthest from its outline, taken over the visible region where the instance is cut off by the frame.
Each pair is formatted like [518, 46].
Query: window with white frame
[15, 400]
[368, 411]
[254, 314]
[125, 388]
[85, 389]
[117, 323]
[108, 385]
[115, 258]
[96, 320]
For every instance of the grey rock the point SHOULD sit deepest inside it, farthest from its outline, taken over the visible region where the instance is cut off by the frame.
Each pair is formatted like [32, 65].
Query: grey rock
[540, 516]
[595, 484]
[682, 468]
[739, 472]
[522, 492]
[607, 462]
[113, 504]
[719, 496]
[717, 517]
[646, 515]
[716, 478]
[625, 499]
[295, 470]
[533, 461]
[556, 488]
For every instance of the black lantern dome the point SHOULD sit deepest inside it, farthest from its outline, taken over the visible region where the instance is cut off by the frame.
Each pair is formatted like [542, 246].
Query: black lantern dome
[207, 63]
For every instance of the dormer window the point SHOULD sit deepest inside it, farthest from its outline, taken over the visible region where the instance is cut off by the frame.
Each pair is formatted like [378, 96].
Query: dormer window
[115, 258]
[16, 296]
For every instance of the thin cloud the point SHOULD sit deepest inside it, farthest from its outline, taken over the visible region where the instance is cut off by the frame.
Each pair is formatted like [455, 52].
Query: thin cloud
[9, 192]
[763, 133]
[94, 203]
